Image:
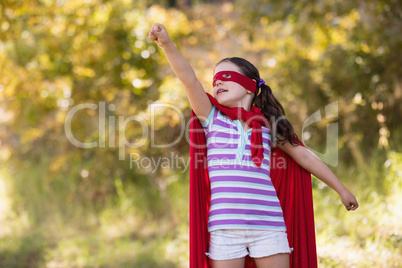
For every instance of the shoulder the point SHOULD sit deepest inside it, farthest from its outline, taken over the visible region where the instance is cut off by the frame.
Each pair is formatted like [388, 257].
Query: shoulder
[266, 135]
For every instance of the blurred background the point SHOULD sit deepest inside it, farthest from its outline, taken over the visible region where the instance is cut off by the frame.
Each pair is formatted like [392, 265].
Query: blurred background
[63, 205]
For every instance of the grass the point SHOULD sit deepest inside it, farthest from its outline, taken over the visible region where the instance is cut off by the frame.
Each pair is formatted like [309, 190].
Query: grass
[65, 235]
[48, 232]
[370, 236]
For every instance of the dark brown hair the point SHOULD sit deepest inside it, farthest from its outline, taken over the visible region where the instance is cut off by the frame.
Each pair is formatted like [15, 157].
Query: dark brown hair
[266, 101]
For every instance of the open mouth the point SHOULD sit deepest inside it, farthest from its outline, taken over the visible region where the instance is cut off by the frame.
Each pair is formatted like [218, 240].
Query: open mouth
[221, 91]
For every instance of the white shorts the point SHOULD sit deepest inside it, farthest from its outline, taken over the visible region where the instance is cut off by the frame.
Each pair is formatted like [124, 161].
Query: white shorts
[233, 244]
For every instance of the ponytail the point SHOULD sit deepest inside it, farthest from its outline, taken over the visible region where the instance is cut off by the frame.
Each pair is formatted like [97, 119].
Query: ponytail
[274, 112]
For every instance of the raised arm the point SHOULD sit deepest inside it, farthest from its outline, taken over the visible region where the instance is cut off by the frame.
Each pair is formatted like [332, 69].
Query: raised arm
[199, 101]
[312, 163]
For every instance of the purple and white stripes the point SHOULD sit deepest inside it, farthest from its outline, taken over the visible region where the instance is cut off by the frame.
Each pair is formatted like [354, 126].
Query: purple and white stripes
[242, 195]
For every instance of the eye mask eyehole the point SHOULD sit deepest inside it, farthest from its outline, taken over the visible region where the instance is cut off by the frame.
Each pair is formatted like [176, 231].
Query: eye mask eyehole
[225, 75]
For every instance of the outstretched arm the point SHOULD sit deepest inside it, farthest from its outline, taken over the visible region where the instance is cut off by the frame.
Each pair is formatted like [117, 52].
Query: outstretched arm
[309, 161]
[199, 101]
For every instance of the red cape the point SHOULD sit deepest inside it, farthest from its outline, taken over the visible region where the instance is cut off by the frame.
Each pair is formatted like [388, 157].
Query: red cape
[294, 190]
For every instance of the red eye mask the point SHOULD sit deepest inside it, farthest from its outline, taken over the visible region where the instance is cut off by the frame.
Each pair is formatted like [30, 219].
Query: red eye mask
[236, 77]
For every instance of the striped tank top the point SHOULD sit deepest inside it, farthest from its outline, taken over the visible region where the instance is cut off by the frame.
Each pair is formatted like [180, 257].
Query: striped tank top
[242, 195]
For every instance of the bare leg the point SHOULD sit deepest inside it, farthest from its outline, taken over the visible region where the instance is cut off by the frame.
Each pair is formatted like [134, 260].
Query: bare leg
[280, 260]
[233, 263]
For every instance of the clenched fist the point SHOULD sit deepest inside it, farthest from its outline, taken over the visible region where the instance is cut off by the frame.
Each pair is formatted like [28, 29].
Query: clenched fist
[159, 35]
[349, 200]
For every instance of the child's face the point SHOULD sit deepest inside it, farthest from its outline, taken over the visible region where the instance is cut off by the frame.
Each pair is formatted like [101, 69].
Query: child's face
[234, 94]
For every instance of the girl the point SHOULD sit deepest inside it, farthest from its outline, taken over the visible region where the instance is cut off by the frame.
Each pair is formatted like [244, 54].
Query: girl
[245, 215]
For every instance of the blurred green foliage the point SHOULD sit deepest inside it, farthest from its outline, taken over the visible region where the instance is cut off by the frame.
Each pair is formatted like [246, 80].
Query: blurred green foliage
[65, 206]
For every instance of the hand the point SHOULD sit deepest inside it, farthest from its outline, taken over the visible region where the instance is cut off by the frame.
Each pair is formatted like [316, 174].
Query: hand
[159, 35]
[349, 200]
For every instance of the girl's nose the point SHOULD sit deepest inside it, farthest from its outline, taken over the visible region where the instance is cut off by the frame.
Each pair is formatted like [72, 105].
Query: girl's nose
[218, 82]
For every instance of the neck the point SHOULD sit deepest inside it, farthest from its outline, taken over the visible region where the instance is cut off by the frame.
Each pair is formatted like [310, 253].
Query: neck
[247, 108]
[245, 105]
[246, 102]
